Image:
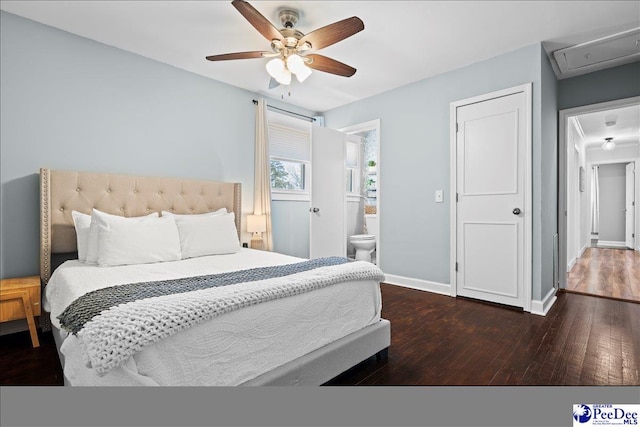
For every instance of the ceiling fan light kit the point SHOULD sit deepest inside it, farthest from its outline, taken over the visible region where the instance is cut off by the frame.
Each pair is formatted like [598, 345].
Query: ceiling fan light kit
[292, 51]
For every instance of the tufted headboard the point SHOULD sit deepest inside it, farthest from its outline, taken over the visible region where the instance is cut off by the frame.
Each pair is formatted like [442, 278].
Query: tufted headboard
[64, 191]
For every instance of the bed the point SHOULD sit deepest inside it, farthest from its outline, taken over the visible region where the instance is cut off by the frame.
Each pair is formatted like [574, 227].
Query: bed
[307, 335]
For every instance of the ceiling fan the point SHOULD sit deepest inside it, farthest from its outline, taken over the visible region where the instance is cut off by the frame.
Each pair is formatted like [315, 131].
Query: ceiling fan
[293, 51]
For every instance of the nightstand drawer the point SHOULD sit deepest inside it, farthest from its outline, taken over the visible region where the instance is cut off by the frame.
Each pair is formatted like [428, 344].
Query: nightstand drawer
[12, 309]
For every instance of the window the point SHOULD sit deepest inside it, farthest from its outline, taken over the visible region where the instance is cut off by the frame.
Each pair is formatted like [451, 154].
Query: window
[289, 155]
[287, 175]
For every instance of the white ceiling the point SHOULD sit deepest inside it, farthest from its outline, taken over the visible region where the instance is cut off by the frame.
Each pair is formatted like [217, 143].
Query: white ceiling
[403, 41]
[625, 131]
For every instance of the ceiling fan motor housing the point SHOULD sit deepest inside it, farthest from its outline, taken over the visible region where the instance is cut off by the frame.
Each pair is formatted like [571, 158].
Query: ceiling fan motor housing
[288, 18]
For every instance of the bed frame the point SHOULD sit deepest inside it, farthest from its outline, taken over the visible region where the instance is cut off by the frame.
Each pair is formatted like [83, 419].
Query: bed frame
[64, 191]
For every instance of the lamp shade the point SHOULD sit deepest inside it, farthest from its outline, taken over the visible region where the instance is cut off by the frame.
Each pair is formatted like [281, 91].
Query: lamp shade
[284, 78]
[303, 73]
[296, 65]
[256, 223]
[275, 67]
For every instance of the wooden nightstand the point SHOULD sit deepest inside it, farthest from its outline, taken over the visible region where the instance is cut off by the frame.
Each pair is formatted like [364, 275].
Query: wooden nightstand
[20, 299]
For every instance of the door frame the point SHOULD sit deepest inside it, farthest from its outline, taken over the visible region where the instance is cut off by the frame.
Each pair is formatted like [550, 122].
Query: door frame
[528, 212]
[361, 127]
[563, 117]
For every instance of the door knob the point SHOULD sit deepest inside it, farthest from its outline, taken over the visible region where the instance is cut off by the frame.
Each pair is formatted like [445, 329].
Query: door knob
[516, 211]
[314, 210]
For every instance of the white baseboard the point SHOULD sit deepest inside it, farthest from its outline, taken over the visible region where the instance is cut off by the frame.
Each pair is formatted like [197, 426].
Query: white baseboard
[574, 260]
[612, 244]
[584, 248]
[422, 285]
[542, 307]
[539, 307]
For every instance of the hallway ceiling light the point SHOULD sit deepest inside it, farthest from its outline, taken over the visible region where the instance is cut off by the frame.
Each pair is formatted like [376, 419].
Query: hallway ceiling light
[609, 144]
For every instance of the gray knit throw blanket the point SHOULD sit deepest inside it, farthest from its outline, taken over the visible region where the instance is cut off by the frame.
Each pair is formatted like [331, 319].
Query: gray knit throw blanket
[89, 305]
[125, 328]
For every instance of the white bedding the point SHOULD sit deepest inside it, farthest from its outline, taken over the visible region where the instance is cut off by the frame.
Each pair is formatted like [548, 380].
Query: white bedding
[229, 349]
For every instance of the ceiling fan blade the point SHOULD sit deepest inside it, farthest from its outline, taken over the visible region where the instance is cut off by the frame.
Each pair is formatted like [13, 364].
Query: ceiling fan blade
[333, 33]
[328, 65]
[273, 83]
[258, 21]
[237, 55]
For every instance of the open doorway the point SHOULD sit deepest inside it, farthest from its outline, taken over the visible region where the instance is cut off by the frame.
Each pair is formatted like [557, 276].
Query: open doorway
[599, 189]
[363, 191]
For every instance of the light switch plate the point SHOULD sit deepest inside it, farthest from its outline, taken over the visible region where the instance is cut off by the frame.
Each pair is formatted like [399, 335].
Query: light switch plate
[439, 196]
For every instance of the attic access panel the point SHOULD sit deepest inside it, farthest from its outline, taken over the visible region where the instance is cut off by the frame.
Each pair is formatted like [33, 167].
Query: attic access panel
[617, 49]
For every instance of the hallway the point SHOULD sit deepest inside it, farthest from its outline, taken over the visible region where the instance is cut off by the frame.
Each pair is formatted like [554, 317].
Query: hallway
[612, 273]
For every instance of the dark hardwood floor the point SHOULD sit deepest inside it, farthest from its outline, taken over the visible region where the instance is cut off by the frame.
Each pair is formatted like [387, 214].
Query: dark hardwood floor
[611, 273]
[439, 340]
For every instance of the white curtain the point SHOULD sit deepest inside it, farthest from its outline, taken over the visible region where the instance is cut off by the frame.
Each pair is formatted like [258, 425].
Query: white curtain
[262, 180]
[595, 202]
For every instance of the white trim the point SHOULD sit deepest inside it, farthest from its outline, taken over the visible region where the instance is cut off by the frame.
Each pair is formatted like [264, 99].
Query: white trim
[422, 285]
[528, 211]
[361, 127]
[563, 117]
[277, 196]
[578, 126]
[571, 264]
[584, 248]
[611, 244]
[542, 307]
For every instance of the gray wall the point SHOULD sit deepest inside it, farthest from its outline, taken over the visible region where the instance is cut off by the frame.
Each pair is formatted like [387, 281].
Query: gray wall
[601, 86]
[290, 224]
[612, 198]
[549, 175]
[72, 103]
[414, 159]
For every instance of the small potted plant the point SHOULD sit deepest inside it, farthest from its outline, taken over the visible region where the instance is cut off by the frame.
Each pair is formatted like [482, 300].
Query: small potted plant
[371, 183]
[372, 166]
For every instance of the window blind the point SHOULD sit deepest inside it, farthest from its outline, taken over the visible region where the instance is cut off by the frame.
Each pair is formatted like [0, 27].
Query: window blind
[289, 143]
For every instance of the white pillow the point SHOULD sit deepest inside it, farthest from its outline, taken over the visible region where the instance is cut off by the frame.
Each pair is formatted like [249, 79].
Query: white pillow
[125, 241]
[92, 237]
[221, 211]
[81, 222]
[202, 235]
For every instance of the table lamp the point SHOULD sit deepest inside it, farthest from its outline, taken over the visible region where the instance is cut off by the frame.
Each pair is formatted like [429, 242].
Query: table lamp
[256, 224]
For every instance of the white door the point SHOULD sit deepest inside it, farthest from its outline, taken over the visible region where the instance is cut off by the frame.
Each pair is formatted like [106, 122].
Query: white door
[490, 181]
[328, 193]
[629, 206]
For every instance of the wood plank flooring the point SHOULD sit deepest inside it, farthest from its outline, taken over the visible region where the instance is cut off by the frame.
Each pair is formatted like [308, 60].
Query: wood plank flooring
[611, 273]
[439, 340]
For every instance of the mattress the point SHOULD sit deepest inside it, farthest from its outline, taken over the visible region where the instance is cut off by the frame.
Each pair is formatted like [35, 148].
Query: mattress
[228, 350]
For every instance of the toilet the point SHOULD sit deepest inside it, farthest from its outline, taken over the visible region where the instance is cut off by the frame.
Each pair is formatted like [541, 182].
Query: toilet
[365, 244]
